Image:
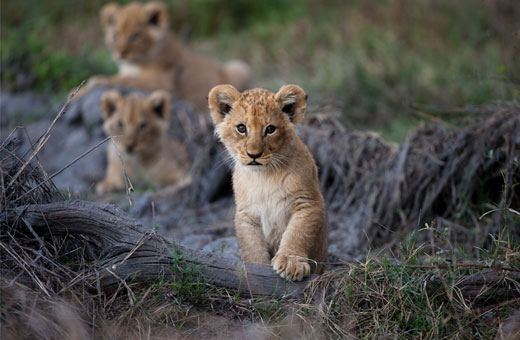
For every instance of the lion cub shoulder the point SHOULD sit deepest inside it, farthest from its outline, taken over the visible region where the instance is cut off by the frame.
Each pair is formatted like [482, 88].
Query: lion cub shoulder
[139, 126]
[150, 57]
[280, 217]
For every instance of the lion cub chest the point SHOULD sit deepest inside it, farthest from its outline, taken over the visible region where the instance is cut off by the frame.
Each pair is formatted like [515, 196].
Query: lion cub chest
[264, 198]
[127, 69]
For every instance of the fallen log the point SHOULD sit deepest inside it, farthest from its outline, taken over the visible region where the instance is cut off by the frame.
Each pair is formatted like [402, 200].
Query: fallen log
[124, 250]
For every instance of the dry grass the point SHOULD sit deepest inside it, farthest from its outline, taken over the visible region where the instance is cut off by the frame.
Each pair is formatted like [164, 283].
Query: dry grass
[419, 296]
[376, 191]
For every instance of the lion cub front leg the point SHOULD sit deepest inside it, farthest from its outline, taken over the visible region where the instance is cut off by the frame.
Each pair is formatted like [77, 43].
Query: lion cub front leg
[114, 175]
[291, 260]
[251, 241]
[117, 80]
[90, 84]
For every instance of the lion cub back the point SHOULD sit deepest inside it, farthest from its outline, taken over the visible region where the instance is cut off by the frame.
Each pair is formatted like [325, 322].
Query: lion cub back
[150, 57]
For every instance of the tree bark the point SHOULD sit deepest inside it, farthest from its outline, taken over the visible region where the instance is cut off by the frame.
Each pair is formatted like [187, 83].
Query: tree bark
[126, 250]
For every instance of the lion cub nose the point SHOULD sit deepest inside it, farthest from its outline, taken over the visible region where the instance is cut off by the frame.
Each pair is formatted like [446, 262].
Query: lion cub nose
[255, 156]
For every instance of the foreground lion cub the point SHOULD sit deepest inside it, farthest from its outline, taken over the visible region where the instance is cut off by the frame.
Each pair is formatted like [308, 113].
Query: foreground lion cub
[139, 125]
[150, 57]
[280, 217]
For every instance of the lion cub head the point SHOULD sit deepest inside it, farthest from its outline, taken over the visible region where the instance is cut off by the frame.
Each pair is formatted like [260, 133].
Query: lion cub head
[257, 126]
[138, 122]
[135, 32]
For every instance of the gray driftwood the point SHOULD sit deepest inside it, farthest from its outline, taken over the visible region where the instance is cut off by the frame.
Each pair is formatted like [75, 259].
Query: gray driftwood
[125, 251]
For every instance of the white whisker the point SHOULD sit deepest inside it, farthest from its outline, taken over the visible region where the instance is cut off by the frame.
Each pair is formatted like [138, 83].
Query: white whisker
[279, 161]
[227, 160]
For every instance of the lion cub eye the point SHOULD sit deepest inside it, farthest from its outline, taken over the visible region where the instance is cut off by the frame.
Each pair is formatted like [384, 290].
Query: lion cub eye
[143, 126]
[269, 130]
[241, 128]
[120, 124]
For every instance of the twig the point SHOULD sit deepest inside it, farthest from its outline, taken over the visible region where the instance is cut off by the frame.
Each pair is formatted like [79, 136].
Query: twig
[64, 168]
[431, 118]
[464, 265]
[128, 184]
[123, 282]
[24, 266]
[153, 215]
[440, 266]
[32, 147]
[138, 244]
[45, 137]
[6, 140]
[497, 209]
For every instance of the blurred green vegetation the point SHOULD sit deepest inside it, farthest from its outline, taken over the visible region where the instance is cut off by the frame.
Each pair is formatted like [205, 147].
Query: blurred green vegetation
[370, 59]
[30, 65]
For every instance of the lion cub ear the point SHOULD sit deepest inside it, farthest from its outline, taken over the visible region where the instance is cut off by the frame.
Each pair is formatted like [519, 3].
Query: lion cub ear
[108, 13]
[292, 100]
[160, 103]
[221, 99]
[157, 14]
[109, 102]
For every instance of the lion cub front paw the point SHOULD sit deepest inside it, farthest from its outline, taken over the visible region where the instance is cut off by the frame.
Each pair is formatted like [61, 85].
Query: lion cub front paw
[91, 83]
[106, 186]
[292, 267]
[97, 80]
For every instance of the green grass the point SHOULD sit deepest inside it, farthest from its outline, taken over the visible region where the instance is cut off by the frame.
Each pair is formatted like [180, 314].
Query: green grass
[188, 282]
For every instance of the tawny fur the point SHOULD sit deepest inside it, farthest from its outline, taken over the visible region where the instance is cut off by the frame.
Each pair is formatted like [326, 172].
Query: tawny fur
[139, 126]
[280, 217]
[150, 57]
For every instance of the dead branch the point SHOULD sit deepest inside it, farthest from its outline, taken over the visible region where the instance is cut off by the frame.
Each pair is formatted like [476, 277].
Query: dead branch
[487, 285]
[125, 251]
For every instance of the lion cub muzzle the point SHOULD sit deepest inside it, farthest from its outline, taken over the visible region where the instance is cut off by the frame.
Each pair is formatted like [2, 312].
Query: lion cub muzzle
[254, 157]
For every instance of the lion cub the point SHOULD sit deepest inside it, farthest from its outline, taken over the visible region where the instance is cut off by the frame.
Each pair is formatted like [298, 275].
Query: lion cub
[150, 57]
[139, 125]
[280, 217]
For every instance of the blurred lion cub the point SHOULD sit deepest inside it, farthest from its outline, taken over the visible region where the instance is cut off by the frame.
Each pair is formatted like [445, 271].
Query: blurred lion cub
[139, 125]
[150, 57]
[280, 217]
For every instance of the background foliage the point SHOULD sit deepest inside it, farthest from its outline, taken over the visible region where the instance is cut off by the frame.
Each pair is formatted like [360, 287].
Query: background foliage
[369, 60]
